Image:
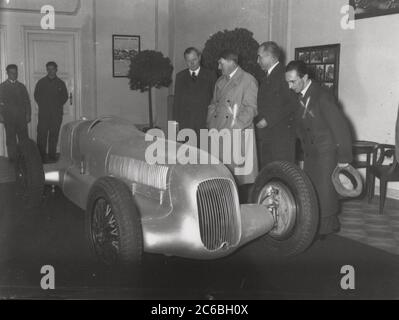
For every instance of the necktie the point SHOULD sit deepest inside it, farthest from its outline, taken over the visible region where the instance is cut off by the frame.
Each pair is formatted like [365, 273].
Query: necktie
[193, 76]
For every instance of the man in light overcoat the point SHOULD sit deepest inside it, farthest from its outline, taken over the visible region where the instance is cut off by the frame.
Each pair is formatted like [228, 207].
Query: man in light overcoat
[234, 106]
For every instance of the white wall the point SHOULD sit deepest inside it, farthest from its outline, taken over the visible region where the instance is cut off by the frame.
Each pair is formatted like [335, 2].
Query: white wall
[14, 22]
[197, 20]
[136, 17]
[369, 67]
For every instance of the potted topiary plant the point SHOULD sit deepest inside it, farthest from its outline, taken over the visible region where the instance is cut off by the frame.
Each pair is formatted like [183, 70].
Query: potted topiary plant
[241, 41]
[150, 69]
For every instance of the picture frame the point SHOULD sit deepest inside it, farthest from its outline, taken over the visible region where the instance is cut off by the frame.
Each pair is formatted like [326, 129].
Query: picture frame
[374, 8]
[323, 64]
[124, 48]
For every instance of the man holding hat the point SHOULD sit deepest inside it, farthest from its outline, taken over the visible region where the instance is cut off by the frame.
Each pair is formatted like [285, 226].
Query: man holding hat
[325, 137]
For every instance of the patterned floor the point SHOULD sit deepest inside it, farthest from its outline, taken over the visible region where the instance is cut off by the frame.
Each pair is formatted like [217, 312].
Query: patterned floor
[360, 220]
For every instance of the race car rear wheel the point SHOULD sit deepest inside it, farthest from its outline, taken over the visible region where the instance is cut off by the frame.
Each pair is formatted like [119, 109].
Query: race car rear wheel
[289, 196]
[29, 174]
[113, 224]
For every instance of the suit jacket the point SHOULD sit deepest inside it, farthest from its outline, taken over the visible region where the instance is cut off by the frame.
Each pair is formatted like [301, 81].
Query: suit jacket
[15, 104]
[192, 98]
[51, 95]
[277, 105]
[240, 90]
[322, 127]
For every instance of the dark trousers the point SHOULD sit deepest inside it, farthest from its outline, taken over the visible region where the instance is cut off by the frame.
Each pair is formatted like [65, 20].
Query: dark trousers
[276, 148]
[14, 130]
[319, 166]
[48, 127]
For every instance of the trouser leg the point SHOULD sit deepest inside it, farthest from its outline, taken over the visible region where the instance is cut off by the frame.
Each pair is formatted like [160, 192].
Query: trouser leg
[53, 135]
[11, 137]
[265, 153]
[319, 169]
[22, 131]
[42, 134]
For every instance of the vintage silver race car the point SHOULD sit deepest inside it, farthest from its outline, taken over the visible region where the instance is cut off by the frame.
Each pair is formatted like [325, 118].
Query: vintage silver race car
[190, 211]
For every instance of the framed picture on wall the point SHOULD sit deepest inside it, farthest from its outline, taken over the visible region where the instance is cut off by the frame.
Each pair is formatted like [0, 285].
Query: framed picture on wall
[374, 8]
[323, 64]
[124, 48]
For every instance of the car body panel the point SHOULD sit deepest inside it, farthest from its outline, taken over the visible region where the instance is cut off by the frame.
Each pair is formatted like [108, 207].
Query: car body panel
[180, 205]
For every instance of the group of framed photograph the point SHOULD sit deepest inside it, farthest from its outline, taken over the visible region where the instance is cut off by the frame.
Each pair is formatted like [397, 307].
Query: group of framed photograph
[323, 64]
[374, 8]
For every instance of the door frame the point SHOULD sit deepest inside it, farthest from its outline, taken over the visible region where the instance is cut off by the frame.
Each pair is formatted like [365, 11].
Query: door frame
[76, 33]
[3, 55]
[3, 64]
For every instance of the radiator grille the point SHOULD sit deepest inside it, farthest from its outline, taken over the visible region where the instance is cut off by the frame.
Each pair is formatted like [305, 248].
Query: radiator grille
[217, 213]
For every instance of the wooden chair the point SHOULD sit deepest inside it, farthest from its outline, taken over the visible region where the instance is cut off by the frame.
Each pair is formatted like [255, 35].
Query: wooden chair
[366, 148]
[384, 172]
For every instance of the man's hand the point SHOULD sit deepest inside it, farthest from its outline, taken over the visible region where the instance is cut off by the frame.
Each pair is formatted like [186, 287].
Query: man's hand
[343, 165]
[261, 124]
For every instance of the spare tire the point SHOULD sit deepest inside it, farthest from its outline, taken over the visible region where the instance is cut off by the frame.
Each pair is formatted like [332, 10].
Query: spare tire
[289, 195]
[29, 174]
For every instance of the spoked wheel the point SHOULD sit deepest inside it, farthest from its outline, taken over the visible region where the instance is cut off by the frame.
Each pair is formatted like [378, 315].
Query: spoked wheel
[105, 232]
[29, 174]
[113, 224]
[289, 196]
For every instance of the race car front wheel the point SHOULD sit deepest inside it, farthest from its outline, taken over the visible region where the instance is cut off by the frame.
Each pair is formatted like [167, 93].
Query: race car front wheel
[289, 196]
[113, 224]
[29, 174]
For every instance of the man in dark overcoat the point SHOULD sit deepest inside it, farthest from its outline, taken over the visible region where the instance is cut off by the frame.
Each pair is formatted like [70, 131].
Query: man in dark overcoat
[325, 137]
[194, 88]
[276, 108]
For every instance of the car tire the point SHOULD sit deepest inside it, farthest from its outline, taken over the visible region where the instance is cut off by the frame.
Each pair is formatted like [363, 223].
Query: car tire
[122, 224]
[298, 208]
[29, 174]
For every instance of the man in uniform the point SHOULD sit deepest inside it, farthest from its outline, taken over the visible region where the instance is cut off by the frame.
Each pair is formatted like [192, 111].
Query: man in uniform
[50, 94]
[15, 110]
[325, 137]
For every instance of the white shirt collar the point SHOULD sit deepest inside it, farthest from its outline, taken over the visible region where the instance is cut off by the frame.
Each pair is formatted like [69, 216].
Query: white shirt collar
[272, 68]
[12, 81]
[233, 73]
[306, 88]
[196, 72]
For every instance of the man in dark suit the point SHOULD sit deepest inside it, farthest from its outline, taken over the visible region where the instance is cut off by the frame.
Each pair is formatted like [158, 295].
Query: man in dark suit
[326, 140]
[276, 108]
[50, 94]
[15, 110]
[194, 88]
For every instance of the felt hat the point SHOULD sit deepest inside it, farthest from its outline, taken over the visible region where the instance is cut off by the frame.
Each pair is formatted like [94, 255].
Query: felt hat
[347, 181]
